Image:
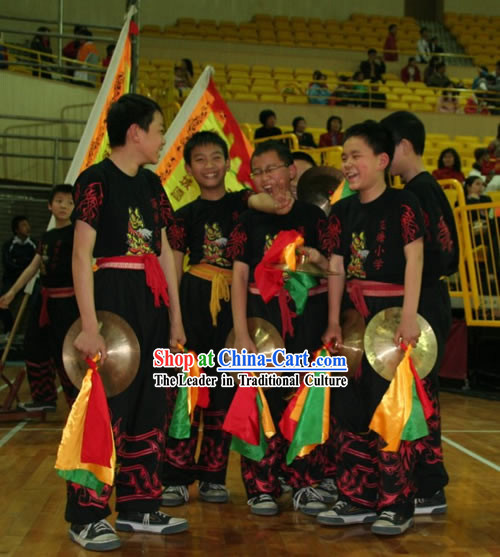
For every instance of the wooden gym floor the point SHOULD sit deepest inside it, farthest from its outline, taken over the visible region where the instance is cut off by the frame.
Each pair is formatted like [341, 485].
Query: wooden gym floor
[32, 499]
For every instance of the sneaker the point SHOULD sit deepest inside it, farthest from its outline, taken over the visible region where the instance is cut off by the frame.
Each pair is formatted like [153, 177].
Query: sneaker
[213, 493]
[390, 523]
[97, 536]
[328, 490]
[263, 505]
[309, 501]
[153, 523]
[344, 512]
[285, 488]
[38, 406]
[174, 495]
[432, 505]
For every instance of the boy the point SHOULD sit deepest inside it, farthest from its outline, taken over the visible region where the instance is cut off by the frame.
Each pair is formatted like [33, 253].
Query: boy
[272, 171]
[55, 311]
[121, 213]
[202, 229]
[374, 240]
[440, 260]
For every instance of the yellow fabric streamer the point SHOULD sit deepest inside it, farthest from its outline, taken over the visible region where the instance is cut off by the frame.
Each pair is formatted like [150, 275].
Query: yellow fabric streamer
[221, 280]
[70, 447]
[289, 253]
[194, 371]
[394, 409]
[267, 420]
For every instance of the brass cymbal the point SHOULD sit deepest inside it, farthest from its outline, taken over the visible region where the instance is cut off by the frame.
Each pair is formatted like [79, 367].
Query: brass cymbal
[265, 337]
[353, 331]
[384, 356]
[123, 354]
[305, 267]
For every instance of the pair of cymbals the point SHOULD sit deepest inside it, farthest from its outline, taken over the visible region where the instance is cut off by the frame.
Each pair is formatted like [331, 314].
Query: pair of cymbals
[123, 354]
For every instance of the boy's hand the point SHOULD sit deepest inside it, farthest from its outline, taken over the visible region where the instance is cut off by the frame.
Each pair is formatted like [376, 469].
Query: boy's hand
[312, 255]
[266, 203]
[283, 203]
[244, 341]
[6, 299]
[177, 336]
[91, 344]
[407, 332]
[332, 335]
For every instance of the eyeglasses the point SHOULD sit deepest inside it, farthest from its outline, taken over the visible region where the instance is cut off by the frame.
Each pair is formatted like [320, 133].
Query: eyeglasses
[269, 170]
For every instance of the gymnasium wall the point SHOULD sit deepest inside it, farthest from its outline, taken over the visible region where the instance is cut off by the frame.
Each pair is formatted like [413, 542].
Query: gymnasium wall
[485, 7]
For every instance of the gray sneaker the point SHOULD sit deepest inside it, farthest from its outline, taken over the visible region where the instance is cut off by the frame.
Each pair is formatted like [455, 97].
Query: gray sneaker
[153, 523]
[328, 490]
[97, 536]
[390, 523]
[432, 505]
[309, 501]
[213, 493]
[343, 513]
[263, 505]
[174, 495]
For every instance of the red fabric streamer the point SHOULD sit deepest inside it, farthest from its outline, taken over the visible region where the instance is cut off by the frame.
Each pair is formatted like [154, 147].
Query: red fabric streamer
[242, 418]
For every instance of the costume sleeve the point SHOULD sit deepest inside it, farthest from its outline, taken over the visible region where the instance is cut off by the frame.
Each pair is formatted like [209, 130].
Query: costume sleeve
[176, 231]
[330, 239]
[411, 219]
[237, 248]
[89, 198]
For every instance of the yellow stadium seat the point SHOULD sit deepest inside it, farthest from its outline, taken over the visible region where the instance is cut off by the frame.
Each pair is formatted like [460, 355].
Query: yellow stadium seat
[262, 76]
[271, 98]
[397, 106]
[411, 98]
[422, 107]
[241, 81]
[249, 97]
[264, 81]
[296, 99]
[400, 91]
[391, 97]
[416, 85]
[261, 69]
[238, 68]
[263, 89]
[394, 83]
[236, 88]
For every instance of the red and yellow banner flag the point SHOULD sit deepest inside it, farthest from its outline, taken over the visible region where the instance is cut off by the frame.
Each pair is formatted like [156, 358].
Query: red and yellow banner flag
[203, 110]
[86, 454]
[404, 409]
[94, 144]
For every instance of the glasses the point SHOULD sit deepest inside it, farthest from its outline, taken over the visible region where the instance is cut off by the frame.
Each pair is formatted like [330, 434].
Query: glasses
[269, 170]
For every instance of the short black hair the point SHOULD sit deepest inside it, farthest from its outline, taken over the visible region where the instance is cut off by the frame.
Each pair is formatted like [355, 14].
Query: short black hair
[278, 147]
[301, 156]
[331, 119]
[378, 137]
[480, 152]
[204, 138]
[405, 125]
[60, 188]
[14, 223]
[189, 66]
[110, 49]
[127, 110]
[296, 120]
[391, 26]
[317, 184]
[470, 180]
[265, 114]
[423, 30]
[457, 165]
[372, 51]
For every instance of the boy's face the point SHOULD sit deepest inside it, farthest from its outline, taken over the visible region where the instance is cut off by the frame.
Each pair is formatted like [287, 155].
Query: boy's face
[151, 141]
[360, 165]
[62, 206]
[23, 229]
[208, 165]
[301, 126]
[271, 175]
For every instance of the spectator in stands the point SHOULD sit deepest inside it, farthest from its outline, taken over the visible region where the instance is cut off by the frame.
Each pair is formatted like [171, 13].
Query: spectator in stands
[476, 104]
[109, 54]
[485, 170]
[318, 92]
[4, 55]
[41, 43]
[302, 162]
[410, 72]
[88, 56]
[17, 253]
[434, 47]
[373, 68]
[494, 146]
[438, 77]
[431, 67]
[360, 90]
[183, 77]
[299, 126]
[449, 166]
[334, 135]
[448, 102]
[481, 81]
[473, 191]
[268, 129]
[390, 45]
[71, 49]
[423, 49]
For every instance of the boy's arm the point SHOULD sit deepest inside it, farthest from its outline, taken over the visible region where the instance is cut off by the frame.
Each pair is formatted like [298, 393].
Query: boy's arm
[336, 284]
[179, 264]
[267, 204]
[89, 342]
[168, 265]
[408, 330]
[239, 296]
[22, 280]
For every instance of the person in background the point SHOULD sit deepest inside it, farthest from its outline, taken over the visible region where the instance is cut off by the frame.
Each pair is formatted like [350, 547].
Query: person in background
[4, 54]
[483, 169]
[449, 166]
[41, 43]
[318, 92]
[109, 54]
[494, 146]
[334, 135]
[390, 45]
[434, 47]
[448, 102]
[87, 56]
[373, 68]
[438, 77]
[302, 162]
[410, 72]
[299, 126]
[268, 129]
[423, 49]
[430, 68]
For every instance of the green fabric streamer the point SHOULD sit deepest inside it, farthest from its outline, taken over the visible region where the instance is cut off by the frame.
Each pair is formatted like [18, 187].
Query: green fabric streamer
[180, 426]
[310, 427]
[82, 477]
[298, 285]
[416, 426]
[253, 452]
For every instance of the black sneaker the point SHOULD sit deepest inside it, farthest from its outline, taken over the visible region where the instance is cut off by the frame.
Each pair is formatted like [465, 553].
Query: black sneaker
[97, 536]
[344, 512]
[154, 523]
[174, 495]
[309, 501]
[263, 505]
[390, 523]
[38, 406]
[328, 490]
[213, 493]
[432, 505]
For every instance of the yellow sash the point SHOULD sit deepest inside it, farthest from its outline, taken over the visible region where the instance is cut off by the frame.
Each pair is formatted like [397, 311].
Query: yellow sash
[221, 280]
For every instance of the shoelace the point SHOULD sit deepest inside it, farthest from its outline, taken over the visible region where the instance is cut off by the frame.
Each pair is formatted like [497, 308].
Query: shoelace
[328, 485]
[146, 519]
[339, 505]
[217, 487]
[179, 489]
[387, 514]
[310, 495]
[98, 527]
[262, 498]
